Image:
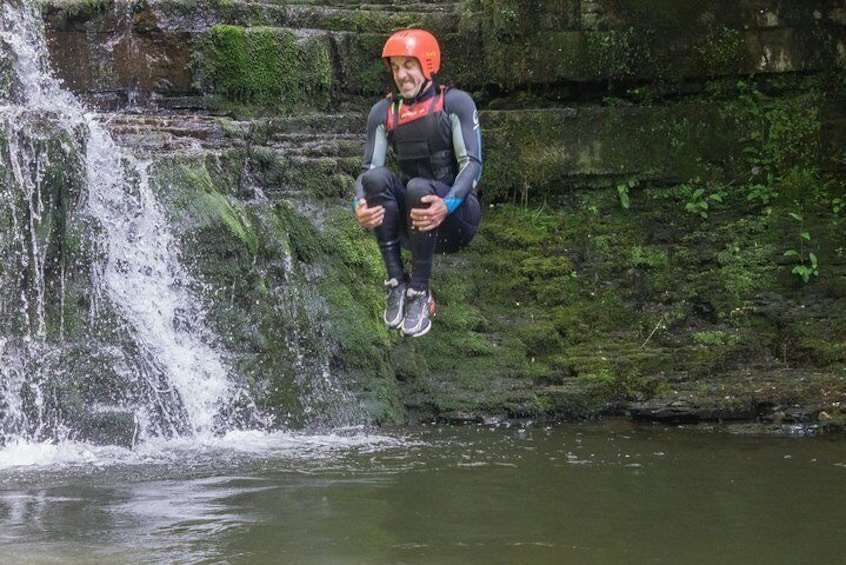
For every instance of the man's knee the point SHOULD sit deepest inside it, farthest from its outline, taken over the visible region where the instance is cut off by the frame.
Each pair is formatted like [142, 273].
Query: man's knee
[416, 189]
[376, 181]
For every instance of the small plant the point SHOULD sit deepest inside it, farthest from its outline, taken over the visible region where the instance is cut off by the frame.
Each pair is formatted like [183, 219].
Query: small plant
[759, 147]
[648, 257]
[838, 205]
[700, 203]
[808, 266]
[623, 190]
[710, 338]
[763, 192]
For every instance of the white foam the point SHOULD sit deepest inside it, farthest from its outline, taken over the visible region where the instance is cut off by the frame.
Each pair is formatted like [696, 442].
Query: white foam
[21, 454]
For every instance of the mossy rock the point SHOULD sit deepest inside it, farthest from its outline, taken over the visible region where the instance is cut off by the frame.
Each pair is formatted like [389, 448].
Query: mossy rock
[266, 67]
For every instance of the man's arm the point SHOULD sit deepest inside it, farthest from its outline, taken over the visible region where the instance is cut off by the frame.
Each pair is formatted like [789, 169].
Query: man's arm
[467, 143]
[376, 146]
[375, 153]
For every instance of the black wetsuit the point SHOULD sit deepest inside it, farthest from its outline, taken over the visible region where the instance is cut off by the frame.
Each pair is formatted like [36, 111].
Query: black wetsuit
[437, 142]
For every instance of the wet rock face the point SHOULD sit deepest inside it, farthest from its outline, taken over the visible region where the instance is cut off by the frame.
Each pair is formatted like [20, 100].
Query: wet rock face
[120, 56]
[8, 85]
[665, 40]
[42, 233]
[616, 62]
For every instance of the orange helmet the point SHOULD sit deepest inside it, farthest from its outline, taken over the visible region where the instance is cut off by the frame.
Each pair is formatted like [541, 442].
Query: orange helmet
[417, 43]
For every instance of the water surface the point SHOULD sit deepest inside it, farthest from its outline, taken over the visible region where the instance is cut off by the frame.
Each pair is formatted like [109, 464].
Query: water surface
[603, 493]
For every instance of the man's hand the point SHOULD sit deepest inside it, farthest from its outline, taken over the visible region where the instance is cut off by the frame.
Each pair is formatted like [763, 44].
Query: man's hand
[369, 217]
[427, 219]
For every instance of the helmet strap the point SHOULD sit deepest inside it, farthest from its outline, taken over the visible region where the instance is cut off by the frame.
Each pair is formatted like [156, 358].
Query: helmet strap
[435, 83]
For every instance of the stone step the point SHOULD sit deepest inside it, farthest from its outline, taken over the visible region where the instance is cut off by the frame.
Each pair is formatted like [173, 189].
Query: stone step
[373, 17]
[317, 136]
[149, 133]
[175, 16]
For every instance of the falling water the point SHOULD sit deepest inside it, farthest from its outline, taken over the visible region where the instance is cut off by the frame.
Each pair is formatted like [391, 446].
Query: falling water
[180, 379]
[145, 281]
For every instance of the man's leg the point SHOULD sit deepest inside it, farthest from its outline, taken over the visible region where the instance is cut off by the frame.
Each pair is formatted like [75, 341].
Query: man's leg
[460, 227]
[419, 303]
[383, 188]
[422, 243]
[454, 234]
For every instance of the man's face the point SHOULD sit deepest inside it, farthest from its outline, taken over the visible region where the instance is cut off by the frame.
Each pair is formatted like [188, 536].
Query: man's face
[408, 76]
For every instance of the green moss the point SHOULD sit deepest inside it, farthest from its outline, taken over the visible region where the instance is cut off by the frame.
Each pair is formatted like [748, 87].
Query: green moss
[76, 9]
[354, 291]
[353, 246]
[212, 206]
[614, 54]
[373, 21]
[306, 242]
[206, 207]
[713, 338]
[360, 70]
[533, 156]
[265, 67]
[519, 227]
[541, 338]
[315, 80]
[745, 268]
[721, 51]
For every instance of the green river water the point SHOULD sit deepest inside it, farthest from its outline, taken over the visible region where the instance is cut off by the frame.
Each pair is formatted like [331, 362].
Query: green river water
[601, 493]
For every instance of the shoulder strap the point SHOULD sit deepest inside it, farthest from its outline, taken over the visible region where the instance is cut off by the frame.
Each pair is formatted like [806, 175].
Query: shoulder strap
[393, 113]
[438, 101]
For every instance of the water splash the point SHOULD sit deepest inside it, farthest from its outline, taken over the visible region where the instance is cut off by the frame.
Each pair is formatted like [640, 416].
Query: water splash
[231, 448]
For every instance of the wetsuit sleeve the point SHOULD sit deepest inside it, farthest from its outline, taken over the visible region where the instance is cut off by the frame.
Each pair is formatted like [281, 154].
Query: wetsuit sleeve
[467, 144]
[376, 147]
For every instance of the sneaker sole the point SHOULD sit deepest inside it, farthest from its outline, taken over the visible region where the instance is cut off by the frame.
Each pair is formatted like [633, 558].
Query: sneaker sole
[428, 327]
[423, 331]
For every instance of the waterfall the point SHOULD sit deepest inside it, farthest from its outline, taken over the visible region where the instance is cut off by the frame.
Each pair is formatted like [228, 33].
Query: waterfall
[145, 281]
[146, 329]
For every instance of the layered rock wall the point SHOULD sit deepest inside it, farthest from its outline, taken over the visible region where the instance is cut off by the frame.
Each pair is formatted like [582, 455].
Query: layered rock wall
[623, 56]
[663, 181]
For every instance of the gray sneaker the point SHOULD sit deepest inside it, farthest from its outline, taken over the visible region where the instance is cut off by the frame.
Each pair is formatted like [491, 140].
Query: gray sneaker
[419, 308]
[394, 303]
